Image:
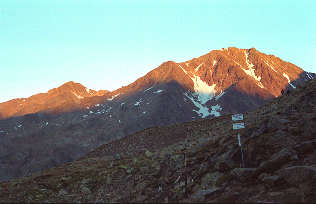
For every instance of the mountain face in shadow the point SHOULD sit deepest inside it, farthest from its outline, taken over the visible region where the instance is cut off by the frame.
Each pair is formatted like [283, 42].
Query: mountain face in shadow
[52, 128]
[149, 166]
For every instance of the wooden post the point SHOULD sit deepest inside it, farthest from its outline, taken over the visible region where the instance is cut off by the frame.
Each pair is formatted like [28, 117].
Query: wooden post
[237, 126]
[185, 176]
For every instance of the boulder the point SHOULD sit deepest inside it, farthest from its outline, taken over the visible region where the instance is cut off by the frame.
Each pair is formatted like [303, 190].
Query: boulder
[85, 190]
[291, 195]
[224, 165]
[277, 161]
[202, 194]
[268, 179]
[62, 192]
[296, 175]
[305, 147]
[244, 174]
[210, 179]
[148, 154]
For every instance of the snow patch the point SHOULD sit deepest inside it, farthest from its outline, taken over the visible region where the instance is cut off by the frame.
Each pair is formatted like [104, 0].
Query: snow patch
[110, 99]
[203, 110]
[270, 66]
[289, 81]
[138, 102]
[187, 64]
[214, 62]
[148, 89]
[20, 125]
[158, 91]
[122, 103]
[85, 116]
[309, 76]
[237, 63]
[108, 110]
[144, 112]
[78, 96]
[87, 107]
[215, 110]
[183, 69]
[88, 90]
[250, 65]
[119, 121]
[97, 105]
[198, 67]
[251, 71]
[90, 112]
[203, 91]
[46, 123]
[219, 95]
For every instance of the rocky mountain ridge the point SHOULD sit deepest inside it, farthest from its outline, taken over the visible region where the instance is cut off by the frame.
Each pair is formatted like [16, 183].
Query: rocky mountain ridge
[78, 120]
[209, 76]
[67, 97]
[149, 166]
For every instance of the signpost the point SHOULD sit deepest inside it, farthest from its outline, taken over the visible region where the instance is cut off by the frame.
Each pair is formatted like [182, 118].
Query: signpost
[237, 117]
[236, 126]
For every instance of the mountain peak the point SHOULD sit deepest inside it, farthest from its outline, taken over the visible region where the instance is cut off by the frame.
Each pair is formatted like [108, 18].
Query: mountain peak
[71, 84]
[168, 63]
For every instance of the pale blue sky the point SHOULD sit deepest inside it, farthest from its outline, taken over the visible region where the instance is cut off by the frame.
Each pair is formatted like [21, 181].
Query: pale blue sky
[107, 44]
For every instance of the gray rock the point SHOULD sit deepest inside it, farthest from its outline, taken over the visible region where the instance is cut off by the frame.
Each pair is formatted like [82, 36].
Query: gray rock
[203, 193]
[107, 158]
[62, 192]
[210, 179]
[85, 181]
[148, 154]
[298, 174]
[85, 189]
[283, 121]
[117, 156]
[270, 180]
[291, 195]
[224, 165]
[306, 146]
[277, 160]
[243, 174]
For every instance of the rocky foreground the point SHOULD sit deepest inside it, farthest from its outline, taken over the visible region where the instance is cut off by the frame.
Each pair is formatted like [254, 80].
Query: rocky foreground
[279, 144]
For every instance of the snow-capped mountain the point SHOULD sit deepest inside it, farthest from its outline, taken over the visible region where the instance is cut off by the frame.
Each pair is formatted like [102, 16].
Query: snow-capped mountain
[59, 126]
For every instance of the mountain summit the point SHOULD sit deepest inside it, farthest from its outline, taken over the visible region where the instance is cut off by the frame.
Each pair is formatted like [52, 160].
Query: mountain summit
[66, 97]
[62, 125]
[228, 80]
